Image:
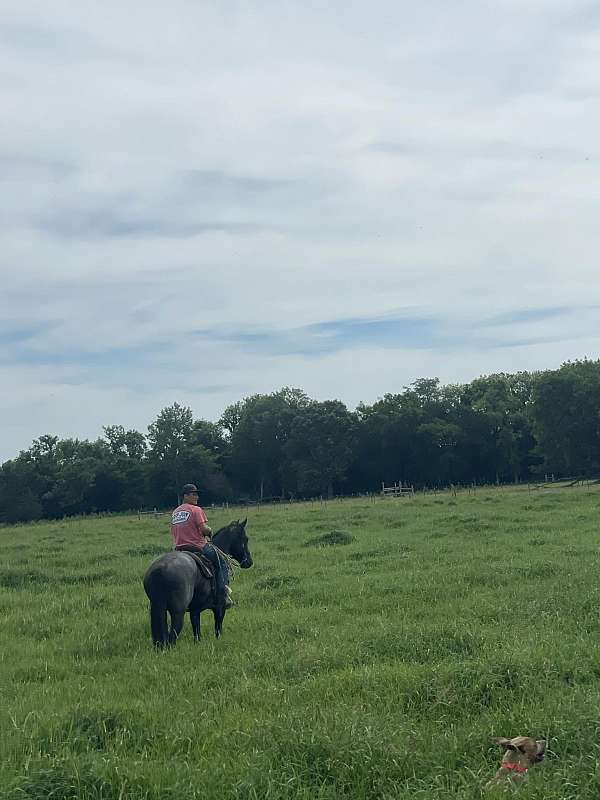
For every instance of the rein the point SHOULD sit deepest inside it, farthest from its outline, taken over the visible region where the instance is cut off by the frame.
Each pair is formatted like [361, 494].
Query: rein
[229, 560]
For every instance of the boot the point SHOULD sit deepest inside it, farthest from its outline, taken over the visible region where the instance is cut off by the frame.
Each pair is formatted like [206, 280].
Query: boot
[223, 597]
[228, 601]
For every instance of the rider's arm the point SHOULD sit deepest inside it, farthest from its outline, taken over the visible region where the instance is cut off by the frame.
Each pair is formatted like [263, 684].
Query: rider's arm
[206, 530]
[202, 523]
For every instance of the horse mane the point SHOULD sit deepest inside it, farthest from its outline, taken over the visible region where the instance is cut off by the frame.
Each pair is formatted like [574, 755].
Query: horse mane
[225, 528]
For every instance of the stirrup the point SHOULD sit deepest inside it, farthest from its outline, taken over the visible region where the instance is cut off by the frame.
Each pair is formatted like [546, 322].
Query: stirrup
[227, 600]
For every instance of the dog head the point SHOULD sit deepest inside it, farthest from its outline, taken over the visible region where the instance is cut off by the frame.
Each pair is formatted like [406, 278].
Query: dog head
[522, 750]
[519, 754]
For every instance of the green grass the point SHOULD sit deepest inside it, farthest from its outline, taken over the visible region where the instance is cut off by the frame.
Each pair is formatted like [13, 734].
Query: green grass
[375, 649]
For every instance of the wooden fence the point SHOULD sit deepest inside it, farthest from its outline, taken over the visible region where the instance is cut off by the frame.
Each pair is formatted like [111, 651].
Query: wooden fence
[397, 490]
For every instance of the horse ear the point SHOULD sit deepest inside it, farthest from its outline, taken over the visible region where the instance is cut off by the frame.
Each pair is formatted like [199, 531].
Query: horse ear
[243, 524]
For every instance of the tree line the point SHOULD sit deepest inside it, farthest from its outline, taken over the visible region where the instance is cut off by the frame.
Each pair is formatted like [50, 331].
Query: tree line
[498, 428]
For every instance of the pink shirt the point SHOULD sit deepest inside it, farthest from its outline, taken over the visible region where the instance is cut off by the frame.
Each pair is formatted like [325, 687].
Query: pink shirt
[186, 525]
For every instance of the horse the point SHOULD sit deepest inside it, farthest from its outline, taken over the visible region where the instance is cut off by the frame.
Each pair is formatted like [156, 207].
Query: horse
[174, 583]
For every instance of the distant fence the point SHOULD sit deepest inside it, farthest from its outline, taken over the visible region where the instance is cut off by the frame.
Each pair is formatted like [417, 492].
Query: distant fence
[155, 513]
[397, 490]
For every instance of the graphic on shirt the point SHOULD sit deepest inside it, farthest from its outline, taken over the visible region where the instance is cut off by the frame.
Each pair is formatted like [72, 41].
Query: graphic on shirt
[180, 516]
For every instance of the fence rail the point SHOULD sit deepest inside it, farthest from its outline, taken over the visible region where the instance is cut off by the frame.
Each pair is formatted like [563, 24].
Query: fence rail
[154, 512]
[397, 490]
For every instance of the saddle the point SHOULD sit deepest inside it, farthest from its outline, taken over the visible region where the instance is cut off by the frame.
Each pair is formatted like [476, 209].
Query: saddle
[203, 564]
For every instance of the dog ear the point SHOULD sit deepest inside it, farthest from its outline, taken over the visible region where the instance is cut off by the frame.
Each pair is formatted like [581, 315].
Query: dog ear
[243, 524]
[503, 742]
[525, 745]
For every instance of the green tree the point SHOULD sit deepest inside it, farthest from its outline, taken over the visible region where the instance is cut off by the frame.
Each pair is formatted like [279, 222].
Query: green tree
[505, 402]
[170, 438]
[258, 440]
[131, 443]
[211, 436]
[78, 464]
[320, 446]
[19, 492]
[177, 455]
[230, 418]
[566, 416]
[121, 484]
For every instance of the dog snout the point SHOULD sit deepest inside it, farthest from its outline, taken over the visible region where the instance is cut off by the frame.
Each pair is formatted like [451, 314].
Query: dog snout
[541, 750]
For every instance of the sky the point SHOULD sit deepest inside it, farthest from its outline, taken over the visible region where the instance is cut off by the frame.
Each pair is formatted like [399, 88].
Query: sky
[203, 200]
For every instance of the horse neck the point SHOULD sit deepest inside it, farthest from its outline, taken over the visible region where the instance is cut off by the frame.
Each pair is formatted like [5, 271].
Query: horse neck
[222, 539]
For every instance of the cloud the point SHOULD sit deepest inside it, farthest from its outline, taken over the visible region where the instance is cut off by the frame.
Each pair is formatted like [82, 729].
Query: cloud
[186, 204]
[208, 201]
[409, 333]
[55, 43]
[529, 315]
[12, 335]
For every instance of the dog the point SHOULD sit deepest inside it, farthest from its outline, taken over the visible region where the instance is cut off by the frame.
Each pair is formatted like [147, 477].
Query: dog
[520, 753]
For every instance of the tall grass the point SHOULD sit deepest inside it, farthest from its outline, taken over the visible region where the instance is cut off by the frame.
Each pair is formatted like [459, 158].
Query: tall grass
[375, 649]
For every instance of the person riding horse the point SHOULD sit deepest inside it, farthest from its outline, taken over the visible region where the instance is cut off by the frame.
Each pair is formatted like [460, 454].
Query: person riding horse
[191, 533]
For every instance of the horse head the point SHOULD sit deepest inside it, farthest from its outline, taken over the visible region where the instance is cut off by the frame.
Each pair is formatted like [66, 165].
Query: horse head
[233, 540]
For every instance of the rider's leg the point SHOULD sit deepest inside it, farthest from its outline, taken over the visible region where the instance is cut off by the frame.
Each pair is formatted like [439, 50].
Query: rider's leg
[220, 567]
[221, 574]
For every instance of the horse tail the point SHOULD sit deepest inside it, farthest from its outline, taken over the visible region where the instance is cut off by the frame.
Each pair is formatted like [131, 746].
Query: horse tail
[158, 624]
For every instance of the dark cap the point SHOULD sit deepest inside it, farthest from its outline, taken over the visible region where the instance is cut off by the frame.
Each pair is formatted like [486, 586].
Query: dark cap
[190, 488]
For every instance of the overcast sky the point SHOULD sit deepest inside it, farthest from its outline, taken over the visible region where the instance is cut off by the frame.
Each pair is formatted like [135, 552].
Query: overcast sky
[204, 200]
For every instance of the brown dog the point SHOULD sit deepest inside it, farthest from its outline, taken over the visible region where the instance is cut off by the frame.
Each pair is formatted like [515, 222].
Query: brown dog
[520, 753]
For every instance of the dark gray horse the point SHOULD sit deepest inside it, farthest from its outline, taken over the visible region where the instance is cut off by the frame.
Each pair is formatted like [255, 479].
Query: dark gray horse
[175, 584]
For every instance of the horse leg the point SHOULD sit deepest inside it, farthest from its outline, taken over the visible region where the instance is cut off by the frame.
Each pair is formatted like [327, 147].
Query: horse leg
[195, 620]
[177, 618]
[219, 614]
[158, 625]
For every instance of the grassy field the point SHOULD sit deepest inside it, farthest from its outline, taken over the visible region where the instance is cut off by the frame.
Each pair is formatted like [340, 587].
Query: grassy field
[376, 668]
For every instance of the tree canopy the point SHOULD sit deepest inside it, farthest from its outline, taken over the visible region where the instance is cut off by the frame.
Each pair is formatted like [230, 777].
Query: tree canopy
[501, 427]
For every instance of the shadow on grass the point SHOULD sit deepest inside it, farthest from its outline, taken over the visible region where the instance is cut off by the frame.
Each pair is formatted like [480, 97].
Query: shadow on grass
[277, 581]
[148, 550]
[88, 578]
[330, 539]
[21, 579]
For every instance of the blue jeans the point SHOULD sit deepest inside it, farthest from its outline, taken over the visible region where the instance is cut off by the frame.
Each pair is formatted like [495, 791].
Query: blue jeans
[218, 562]
[220, 565]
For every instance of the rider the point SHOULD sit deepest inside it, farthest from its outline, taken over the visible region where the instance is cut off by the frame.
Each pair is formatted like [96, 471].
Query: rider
[191, 532]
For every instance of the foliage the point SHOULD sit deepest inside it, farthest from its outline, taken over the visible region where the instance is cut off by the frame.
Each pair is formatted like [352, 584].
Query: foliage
[497, 429]
[259, 439]
[566, 414]
[320, 446]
